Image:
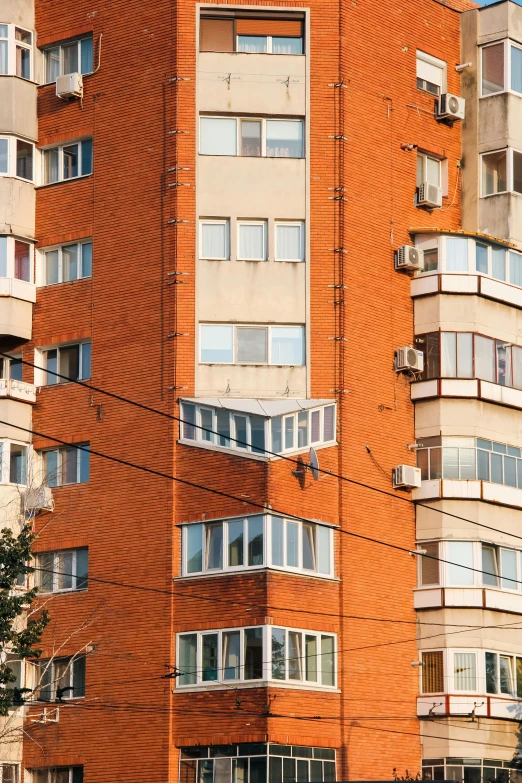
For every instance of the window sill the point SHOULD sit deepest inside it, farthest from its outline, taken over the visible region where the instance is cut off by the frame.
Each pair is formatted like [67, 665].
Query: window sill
[256, 570]
[20, 179]
[265, 54]
[62, 181]
[21, 78]
[63, 282]
[251, 157]
[42, 592]
[251, 455]
[240, 684]
[247, 364]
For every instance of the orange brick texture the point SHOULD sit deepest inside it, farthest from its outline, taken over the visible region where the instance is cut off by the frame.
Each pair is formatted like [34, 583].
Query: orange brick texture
[131, 724]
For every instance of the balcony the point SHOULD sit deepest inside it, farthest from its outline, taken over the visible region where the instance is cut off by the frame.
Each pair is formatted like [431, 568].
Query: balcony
[17, 390]
[469, 597]
[18, 107]
[484, 706]
[467, 388]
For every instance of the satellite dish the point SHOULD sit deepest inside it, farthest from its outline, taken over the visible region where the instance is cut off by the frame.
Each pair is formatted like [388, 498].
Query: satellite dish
[313, 463]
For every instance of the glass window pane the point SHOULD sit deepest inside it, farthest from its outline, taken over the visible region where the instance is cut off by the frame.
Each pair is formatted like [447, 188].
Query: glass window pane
[277, 441]
[460, 562]
[23, 62]
[456, 254]
[15, 369]
[251, 137]
[24, 159]
[519, 677]
[295, 671]
[323, 549]
[494, 177]
[492, 69]
[64, 567]
[465, 671]
[481, 259]
[70, 161]
[86, 55]
[188, 413]
[489, 566]
[22, 266]
[517, 171]
[289, 770]
[252, 43]
[284, 139]
[216, 344]
[231, 653]
[491, 672]
[449, 354]
[432, 355]
[302, 429]
[292, 544]
[433, 171]
[52, 64]
[50, 460]
[327, 660]
[277, 541]
[464, 355]
[86, 268]
[240, 423]
[85, 366]
[497, 473]
[240, 770]
[255, 541]
[78, 677]
[84, 459]
[51, 267]
[44, 571]
[278, 653]
[429, 566]
[508, 565]
[315, 427]
[498, 263]
[3, 256]
[18, 464]
[206, 771]
[188, 659]
[467, 460]
[214, 241]
[289, 242]
[431, 260]
[214, 545]
[217, 136]
[51, 171]
[257, 771]
[311, 658]
[257, 434]
[4, 156]
[253, 653]
[285, 45]
[506, 677]
[235, 543]
[328, 423]
[450, 463]
[207, 425]
[86, 157]
[252, 242]
[223, 427]
[82, 569]
[289, 432]
[70, 57]
[309, 547]
[70, 263]
[210, 657]
[69, 358]
[3, 55]
[194, 538]
[252, 345]
[510, 471]
[484, 358]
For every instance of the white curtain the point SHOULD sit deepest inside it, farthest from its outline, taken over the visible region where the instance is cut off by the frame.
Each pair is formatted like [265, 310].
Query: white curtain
[3, 256]
[484, 358]
[456, 254]
[51, 267]
[289, 245]
[460, 562]
[3, 56]
[449, 355]
[251, 43]
[251, 242]
[287, 345]
[217, 136]
[214, 240]
[465, 671]
[231, 645]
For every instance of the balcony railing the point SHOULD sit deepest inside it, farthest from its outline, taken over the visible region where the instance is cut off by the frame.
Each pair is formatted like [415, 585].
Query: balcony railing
[18, 390]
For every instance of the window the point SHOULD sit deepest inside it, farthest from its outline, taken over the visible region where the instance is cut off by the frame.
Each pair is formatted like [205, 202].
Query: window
[16, 157]
[214, 239]
[433, 672]
[66, 570]
[257, 763]
[252, 240]
[243, 543]
[61, 678]
[494, 173]
[13, 462]
[501, 68]
[259, 653]
[16, 52]
[464, 255]
[503, 674]
[248, 432]
[72, 362]
[470, 770]
[227, 344]
[57, 775]
[251, 137]
[431, 73]
[12, 368]
[465, 671]
[289, 241]
[429, 564]
[66, 465]
[66, 263]
[67, 161]
[428, 170]
[466, 355]
[16, 259]
[251, 35]
[9, 773]
[71, 57]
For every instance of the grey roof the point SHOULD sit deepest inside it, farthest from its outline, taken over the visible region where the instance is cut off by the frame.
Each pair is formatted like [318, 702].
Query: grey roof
[267, 408]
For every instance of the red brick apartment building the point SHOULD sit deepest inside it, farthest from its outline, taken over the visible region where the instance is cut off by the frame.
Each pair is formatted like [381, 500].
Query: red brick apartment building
[252, 256]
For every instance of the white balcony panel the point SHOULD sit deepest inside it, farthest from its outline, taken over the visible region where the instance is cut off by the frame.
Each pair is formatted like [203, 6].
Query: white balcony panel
[463, 596]
[454, 705]
[457, 387]
[19, 416]
[428, 489]
[16, 316]
[464, 490]
[435, 704]
[18, 107]
[10, 286]
[423, 286]
[248, 380]
[426, 599]
[10, 497]
[500, 493]
[424, 389]
[18, 390]
[459, 284]
[17, 207]
[501, 394]
[240, 83]
[504, 601]
[502, 292]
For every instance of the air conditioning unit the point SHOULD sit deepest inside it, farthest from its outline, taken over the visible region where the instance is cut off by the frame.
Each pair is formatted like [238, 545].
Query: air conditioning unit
[451, 107]
[406, 476]
[69, 86]
[429, 195]
[409, 257]
[38, 499]
[409, 358]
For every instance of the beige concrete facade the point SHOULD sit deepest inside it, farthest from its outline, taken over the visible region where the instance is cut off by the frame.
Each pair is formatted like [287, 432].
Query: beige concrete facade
[17, 102]
[468, 314]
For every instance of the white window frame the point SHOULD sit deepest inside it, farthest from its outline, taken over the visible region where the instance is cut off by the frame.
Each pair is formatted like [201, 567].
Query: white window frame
[64, 44]
[215, 222]
[12, 44]
[11, 240]
[269, 328]
[81, 448]
[263, 120]
[436, 63]
[507, 43]
[51, 664]
[424, 156]
[264, 225]
[5, 461]
[302, 239]
[267, 547]
[41, 272]
[13, 765]
[56, 568]
[60, 148]
[41, 371]
[509, 171]
[266, 655]
[11, 157]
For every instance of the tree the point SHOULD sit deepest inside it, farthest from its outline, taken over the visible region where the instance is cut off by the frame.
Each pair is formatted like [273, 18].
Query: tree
[17, 637]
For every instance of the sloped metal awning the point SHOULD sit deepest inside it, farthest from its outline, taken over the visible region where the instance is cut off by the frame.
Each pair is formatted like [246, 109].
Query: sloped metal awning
[266, 408]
